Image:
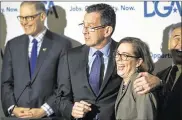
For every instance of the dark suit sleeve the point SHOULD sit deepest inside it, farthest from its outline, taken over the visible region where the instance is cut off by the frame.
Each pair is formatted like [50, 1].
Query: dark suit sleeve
[160, 89]
[64, 98]
[54, 100]
[65, 88]
[7, 85]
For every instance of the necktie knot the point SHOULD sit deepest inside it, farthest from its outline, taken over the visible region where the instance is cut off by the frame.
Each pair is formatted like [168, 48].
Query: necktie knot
[34, 41]
[174, 69]
[98, 53]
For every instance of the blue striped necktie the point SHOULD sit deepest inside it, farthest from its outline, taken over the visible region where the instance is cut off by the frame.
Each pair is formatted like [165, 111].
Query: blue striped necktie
[33, 58]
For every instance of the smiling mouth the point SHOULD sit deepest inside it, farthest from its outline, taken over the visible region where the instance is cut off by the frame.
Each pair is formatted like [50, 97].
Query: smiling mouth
[120, 67]
[179, 51]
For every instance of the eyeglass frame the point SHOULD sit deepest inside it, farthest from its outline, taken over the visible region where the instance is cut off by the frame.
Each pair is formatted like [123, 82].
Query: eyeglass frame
[92, 29]
[125, 55]
[30, 16]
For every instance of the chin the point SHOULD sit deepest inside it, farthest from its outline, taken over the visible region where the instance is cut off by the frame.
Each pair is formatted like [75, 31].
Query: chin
[27, 32]
[177, 56]
[87, 43]
[121, 74]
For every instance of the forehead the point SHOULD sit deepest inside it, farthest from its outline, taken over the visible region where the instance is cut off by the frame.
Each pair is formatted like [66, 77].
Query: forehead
[125, 47]
[176, 31]
[92, 18]
[27, 9]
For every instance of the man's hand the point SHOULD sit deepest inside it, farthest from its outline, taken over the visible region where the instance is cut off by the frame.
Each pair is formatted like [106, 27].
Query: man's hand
[22, 112]
[36, 113]
[80, 109]
[145, 82]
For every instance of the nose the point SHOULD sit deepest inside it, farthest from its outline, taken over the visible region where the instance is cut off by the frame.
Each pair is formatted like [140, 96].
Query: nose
[179, 44]
[84, 30]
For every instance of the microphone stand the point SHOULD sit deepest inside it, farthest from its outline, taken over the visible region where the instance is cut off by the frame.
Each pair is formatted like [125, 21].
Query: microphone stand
[16, 101]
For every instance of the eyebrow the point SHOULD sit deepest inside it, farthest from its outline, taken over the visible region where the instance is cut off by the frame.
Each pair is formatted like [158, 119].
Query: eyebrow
[176, 35]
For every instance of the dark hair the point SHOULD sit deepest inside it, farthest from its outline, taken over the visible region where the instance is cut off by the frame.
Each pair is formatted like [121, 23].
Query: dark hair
[107, 14]
[141, 50]
[39, 6]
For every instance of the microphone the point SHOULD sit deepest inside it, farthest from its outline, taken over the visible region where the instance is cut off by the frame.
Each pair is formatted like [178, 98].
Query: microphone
[29, 84]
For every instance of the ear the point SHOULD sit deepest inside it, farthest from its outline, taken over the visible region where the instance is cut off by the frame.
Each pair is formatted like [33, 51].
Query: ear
[108, 31]
[42, 16]
[139, 62]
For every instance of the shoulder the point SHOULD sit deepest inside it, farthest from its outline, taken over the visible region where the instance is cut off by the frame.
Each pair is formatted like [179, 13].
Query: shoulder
[17, 40]
[162, 72]
[60, 39]
[78, 50]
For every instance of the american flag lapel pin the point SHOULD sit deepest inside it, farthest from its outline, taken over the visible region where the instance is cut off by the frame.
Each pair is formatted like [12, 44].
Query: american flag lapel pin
[44, 49]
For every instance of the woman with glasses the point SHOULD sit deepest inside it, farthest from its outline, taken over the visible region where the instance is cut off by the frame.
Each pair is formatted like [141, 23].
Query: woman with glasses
[133, 56]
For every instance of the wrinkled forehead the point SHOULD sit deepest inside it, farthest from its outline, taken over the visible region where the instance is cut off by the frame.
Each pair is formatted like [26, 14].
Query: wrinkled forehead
[177, 31]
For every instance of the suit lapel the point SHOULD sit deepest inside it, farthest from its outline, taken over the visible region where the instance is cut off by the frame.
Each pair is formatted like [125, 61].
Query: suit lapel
[84, 63]
[177, 83]
[121, 95]
[25, 56]
[44, 50]
[110, 67]
[164, 74]
[130, 85]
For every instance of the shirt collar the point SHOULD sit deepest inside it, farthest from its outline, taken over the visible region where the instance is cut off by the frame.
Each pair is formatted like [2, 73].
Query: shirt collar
[105, 50]
[38, 37]
[179, 67]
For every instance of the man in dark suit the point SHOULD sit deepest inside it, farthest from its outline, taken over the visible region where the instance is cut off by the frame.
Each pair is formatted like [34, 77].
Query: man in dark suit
[30, 64]
[88, 82]
[92, 90]
[171, 95]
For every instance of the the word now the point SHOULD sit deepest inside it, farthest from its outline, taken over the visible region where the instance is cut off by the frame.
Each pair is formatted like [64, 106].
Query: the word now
[9, 9]
[124, 7]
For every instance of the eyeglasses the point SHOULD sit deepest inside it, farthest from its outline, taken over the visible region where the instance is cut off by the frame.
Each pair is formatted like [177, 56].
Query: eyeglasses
[124, 57]
[91, 29]
[27, 18]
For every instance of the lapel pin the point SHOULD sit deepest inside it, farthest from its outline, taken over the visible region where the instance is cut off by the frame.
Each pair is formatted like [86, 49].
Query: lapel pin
[44, 49]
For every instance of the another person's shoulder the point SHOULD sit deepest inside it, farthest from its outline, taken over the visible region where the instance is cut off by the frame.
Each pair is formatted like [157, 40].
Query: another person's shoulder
[57, 38]
[17, 39]
[75, 53]
[78, 49]
[162, 72]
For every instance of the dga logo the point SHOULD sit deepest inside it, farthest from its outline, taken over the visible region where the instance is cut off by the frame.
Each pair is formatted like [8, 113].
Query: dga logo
[172, 7]
[50, 8]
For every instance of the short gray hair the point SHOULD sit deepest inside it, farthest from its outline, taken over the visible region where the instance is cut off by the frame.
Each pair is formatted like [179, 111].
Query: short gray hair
[174, 26]
[39, 6]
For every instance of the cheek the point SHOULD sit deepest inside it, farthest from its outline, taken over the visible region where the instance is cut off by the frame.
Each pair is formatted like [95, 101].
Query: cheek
[93, 37]
[130, 66]
[173, 44]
